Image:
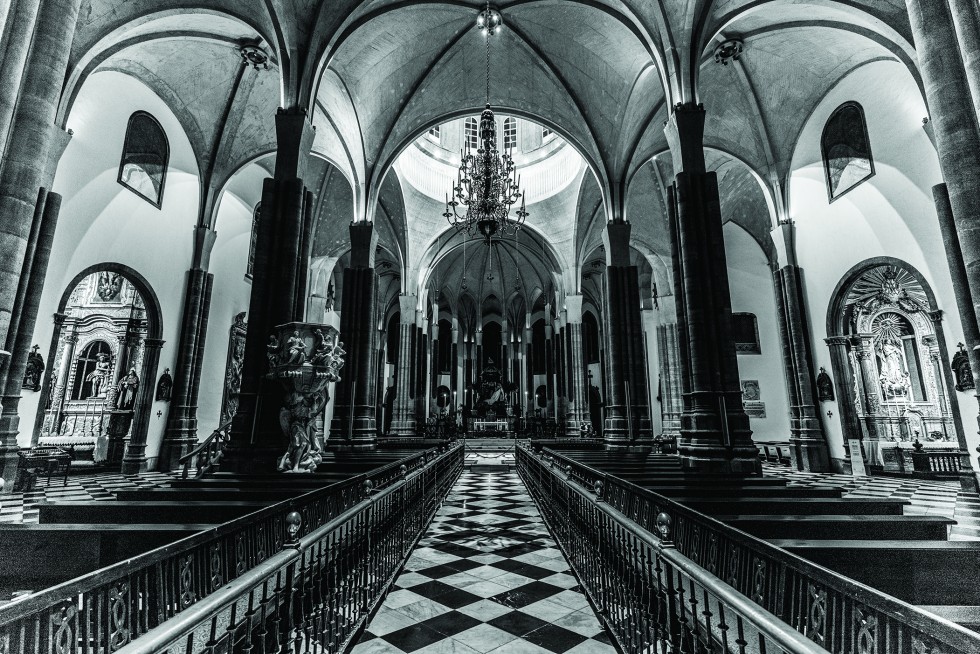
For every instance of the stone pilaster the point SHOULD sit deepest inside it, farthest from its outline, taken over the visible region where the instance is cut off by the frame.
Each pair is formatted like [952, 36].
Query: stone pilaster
[181, 434]
[135, 460]
[671, 400]
[627, 413]
[863, 347]
[715, 433]
[403, 412]
[278, 296]
[355, 407]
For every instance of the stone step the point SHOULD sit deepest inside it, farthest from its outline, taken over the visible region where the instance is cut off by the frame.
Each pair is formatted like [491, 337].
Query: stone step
[735, 492]
[266, 495]
[850, 527]
[110, 512]
[793, 506]
[918, 572]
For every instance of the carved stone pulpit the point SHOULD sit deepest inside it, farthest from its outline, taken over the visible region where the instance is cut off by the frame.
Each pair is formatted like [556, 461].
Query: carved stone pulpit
[305, 358]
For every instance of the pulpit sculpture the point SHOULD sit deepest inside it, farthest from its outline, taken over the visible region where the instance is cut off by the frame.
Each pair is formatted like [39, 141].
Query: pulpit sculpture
[305, 378]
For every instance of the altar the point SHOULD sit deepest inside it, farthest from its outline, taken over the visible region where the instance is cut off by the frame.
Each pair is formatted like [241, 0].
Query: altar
[491, 425]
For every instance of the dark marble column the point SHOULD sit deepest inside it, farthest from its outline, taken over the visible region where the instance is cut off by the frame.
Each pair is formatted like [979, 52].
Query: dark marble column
[135, 460]
[954, 124]
[422, 359]
[355, 407]
[627, 412]
[26, 165]
[549, 368]
[806, 430]
[24, 320]
[715, 433]
[181, 434]
[278, 296]
[403, 412]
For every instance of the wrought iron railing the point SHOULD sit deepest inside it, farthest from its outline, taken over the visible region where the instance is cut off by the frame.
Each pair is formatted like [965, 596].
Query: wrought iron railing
[248, 574]
[206, 457]
[667, 578]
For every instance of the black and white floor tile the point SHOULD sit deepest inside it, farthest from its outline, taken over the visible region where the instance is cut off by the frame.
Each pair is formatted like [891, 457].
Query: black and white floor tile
[486, 577]
[22, 507]
[941, 498]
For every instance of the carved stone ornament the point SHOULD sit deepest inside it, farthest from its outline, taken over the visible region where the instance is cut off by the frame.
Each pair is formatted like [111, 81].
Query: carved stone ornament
[962, 370]
[35, 366]
[825, 387]
[730, 50]
[305, 358]
[109, 286]
[233, 369]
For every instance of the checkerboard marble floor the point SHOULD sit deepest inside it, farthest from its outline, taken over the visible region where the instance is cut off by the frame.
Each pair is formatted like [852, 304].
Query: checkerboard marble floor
[486, 577]
[22, 507]
[942, 498]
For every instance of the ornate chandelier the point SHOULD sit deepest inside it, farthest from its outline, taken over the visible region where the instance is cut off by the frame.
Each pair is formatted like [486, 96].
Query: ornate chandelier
[487, 185]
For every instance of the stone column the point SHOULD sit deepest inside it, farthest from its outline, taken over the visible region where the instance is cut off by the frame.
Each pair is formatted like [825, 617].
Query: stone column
[60, 389]
[966, 19]
[551, 405]
[26, 165]
[863, 346]
[15, 43]
[671, 401]
[954, 123]
[403, 412]
[278, 295]
[627, 412]
[355, 408]
[457, 358]
[134, 461]
[561, 377]
[845, 386]
[715, 433]
[806, 430]
[422, 359]
[578, 396]
[181, 434]
[24, 320]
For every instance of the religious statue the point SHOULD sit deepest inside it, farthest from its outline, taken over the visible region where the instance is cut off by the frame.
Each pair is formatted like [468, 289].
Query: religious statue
[296, 350]
[35, 366]
[962, 371]
[108, 286]
[128, 386]
[297, 418]
[233, 369]
[99, 378]
[331, 297]
[272, 351]
[825, 387]
[894, 380]
[164, 386]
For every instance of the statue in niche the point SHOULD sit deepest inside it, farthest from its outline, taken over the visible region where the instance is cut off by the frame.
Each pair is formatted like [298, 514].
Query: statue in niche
[962, 371]
[99, 377]
[165, 386]
[109, 286]
[894, 379]
[128, 386]
[296, 350]
[331, 297]
[35, 366]
[825, 387]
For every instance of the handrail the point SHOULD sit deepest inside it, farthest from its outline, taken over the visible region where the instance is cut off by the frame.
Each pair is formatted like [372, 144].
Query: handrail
[770, 627]
[781, 582]
[297, 564]
[177, 575]
[213, 448]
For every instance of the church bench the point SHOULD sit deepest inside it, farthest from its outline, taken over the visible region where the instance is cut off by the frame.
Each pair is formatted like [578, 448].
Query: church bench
[105, 512]
[796, 505]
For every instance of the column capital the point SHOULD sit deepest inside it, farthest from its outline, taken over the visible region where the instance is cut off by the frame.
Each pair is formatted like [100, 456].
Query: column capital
[616, 239]
[406, 307]
[573, 308]
[294, 142]
[204, 238]
[784, 238]
[685, 137]
[153, 343]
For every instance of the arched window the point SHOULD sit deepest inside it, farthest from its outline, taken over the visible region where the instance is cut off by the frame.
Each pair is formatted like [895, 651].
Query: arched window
[546, 134]
[145, 155]
[435, 134]
[846, 150]
[251, 243]
[93, 372]
[510, 133]
[471, 133]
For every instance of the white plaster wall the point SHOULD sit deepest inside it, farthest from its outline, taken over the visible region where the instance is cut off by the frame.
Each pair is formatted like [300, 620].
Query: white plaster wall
[103, 221]
[890, 215]
[231, 291]
[751, 285]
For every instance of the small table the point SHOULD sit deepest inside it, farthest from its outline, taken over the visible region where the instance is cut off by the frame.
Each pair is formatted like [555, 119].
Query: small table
[32, 463]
